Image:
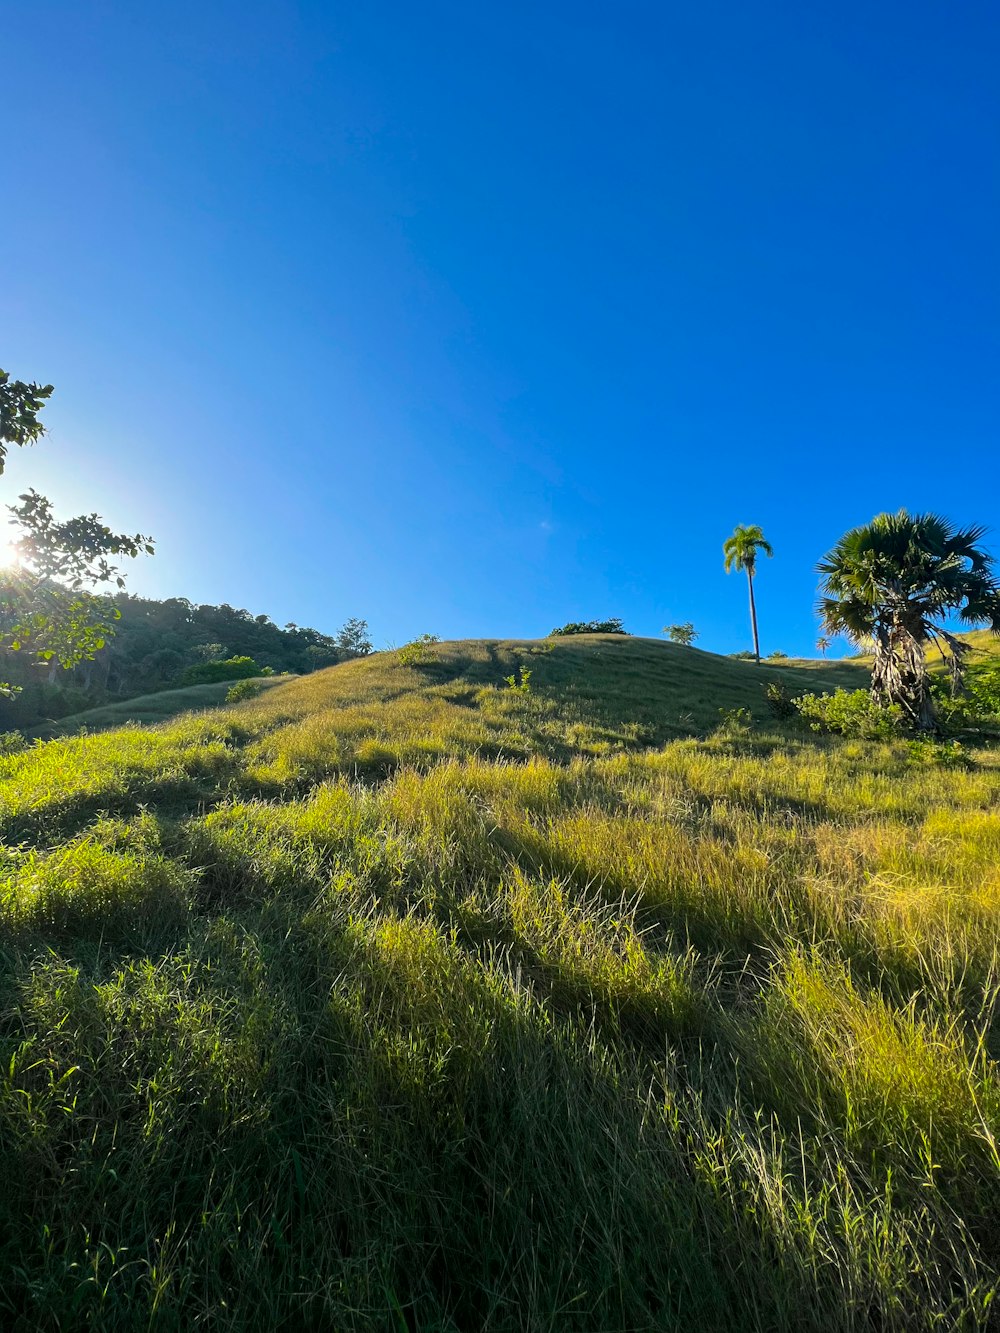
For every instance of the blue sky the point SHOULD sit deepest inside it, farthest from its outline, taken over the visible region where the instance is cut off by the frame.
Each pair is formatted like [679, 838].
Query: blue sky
[474, 319]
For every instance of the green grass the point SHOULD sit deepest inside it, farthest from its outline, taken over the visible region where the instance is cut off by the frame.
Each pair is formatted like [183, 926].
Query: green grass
[146, 709]
[398, 999]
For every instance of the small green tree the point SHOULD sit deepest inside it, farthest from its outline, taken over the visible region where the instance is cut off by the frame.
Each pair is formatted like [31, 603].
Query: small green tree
[353, 639]
[684, 634]
[740, 552]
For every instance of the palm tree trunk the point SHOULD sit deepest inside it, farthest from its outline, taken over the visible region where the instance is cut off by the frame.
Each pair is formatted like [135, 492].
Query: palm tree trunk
[753, 618]
[899, 676]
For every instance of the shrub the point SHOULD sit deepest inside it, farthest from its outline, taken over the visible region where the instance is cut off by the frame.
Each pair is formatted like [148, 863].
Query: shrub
[210, 673]
[777, 656]
[976, 704]
[950, 754]
[850, 713]
[614, 626]
[982, 693]
[415, 652]
[743, 656]
[243, 689]
[735, 721]
[779, 702]
[520, 681]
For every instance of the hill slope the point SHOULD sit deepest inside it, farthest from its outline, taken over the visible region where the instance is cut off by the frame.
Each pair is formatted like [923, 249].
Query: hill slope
[147, 709]
[610, 681]
[399, 999]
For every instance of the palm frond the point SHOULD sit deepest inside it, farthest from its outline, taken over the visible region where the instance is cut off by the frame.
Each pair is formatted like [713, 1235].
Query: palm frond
[912, 568]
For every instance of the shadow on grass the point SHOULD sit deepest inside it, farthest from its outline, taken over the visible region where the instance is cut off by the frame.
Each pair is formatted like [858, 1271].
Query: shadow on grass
[314, 1120]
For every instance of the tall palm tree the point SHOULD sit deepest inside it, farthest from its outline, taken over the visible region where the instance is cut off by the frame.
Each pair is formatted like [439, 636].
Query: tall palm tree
[740, 551]
[823, 643]
[889, 584]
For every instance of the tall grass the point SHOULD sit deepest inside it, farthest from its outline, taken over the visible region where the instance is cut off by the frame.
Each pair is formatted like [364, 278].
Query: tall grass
[396, 999]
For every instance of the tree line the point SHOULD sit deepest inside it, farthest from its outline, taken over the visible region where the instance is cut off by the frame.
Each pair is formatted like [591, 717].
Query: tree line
[161, 644]
[71, 637]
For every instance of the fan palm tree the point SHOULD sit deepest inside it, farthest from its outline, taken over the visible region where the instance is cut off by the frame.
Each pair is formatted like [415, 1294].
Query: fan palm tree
[740, 551]
[889, 584]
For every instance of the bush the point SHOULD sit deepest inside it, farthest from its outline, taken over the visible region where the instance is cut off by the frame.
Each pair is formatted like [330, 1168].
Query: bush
[210, 673]
[735, 721]
[243, 689]
[850, 713]
[925, 750]
[591, 627]
[777, 656]
[743, 656]
[520, 680]
[779, 702]
[415, 652]
[982, 693]
[976, 704]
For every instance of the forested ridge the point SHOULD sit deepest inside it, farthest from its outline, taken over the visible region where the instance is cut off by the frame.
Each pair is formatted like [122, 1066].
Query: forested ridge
[158, 644]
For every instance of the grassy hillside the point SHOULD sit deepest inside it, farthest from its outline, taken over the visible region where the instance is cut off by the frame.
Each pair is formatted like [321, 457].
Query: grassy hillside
[399, 999]
[607, 679]
[985, 645]
[147, 709]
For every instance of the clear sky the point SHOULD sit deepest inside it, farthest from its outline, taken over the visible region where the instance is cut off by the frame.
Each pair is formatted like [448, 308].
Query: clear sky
[474, 318]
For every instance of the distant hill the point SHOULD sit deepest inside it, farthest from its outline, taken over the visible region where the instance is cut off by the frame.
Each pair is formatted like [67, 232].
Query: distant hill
[156, 645]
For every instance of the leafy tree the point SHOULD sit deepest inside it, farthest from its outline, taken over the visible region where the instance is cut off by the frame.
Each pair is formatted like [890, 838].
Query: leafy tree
[684, 634]
[352, 638]
[890, 583]
[20, 404]
[740, 551]
[208, 652]
[46, 605]
[317, 657]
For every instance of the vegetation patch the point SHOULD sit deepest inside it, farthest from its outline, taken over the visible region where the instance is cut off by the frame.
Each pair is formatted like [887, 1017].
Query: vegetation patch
[395, 997]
